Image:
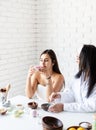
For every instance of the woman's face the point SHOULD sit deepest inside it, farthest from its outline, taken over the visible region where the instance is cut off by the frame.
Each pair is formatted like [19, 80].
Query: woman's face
[45, 61]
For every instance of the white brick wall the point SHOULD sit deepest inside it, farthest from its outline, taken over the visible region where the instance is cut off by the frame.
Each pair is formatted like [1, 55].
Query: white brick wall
[27, 27]
[17, 46]
[65, 25]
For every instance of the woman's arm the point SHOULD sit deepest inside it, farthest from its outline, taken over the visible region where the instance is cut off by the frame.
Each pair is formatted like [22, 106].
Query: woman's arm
[54, 86]
[31, 83]
[87, 105]
[59, 83]
[80, 107]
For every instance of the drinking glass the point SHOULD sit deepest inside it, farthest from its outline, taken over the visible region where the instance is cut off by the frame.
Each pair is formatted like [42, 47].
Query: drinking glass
[3, 97]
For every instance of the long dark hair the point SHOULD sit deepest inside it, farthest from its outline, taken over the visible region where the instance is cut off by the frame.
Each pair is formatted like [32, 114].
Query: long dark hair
[53, 57]
[87, 65]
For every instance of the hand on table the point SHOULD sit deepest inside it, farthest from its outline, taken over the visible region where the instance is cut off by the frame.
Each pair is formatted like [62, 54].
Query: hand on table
[56, 108]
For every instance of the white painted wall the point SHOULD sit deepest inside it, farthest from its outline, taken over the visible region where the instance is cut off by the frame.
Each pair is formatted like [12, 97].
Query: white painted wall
[27, 27]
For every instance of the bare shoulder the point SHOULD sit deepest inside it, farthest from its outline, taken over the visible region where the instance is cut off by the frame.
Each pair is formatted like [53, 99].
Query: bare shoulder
[61, 77]
[58, 76]
[59, 82]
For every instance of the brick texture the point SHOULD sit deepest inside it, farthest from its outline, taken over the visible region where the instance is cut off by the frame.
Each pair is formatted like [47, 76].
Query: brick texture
[27, 27]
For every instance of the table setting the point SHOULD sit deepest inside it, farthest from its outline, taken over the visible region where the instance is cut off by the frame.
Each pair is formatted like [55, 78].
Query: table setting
[27, 114]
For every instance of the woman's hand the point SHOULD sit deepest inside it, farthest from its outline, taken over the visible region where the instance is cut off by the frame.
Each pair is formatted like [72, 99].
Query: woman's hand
[53, 96]
[31, 71]
[56, 108]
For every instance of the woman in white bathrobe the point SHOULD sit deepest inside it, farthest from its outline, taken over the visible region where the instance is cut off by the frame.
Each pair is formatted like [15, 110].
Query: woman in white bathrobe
[80, 96]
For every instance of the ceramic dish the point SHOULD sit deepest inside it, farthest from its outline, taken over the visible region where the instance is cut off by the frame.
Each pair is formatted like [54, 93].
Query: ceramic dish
[45, 106]
[51, 123]
[86, 125]
[33, 105]
[18, 113]
[82, 126]
[19, 106]
[3, 111]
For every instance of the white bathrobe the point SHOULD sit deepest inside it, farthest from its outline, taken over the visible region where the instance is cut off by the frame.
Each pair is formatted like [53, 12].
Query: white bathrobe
[75, 100]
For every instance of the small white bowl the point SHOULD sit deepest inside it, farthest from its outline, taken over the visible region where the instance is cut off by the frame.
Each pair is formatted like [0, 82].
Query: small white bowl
[86, 125]
[19, 106]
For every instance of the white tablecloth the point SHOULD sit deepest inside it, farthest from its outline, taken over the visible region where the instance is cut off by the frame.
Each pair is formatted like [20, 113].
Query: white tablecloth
[27, 122]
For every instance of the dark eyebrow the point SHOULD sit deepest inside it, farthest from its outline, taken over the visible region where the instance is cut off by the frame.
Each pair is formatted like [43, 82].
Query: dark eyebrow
[44, 59]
